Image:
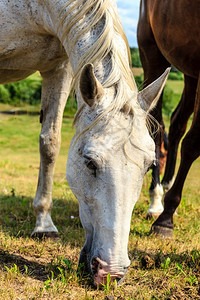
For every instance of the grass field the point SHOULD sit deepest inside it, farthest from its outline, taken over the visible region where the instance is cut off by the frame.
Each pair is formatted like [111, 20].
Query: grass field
[32, 269]
[177, 88]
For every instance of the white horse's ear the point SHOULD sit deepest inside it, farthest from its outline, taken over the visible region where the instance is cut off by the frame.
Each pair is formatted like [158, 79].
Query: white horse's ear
[149, 96]
[91, 89]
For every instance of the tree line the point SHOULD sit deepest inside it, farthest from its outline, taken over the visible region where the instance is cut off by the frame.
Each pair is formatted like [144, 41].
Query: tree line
[136, 63]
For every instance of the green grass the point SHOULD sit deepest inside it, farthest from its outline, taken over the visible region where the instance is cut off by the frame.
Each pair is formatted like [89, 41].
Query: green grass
[32, 269]
[177, 88]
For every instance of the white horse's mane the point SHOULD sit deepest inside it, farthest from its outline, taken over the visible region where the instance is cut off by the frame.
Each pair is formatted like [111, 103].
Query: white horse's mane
[86, 14]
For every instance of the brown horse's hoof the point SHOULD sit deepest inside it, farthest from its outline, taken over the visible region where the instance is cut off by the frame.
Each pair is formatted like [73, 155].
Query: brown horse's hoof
[46, 235]
[151, 216]
[163, 232]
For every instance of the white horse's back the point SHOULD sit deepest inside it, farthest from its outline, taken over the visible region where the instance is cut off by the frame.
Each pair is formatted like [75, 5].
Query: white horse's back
[25, 45]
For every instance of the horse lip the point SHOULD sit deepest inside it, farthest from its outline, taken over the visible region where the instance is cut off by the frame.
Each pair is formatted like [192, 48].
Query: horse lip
[101, 268]
[100, 281]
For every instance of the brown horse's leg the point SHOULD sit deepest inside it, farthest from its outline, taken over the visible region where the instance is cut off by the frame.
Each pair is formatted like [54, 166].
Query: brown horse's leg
[177, 128]
[189, 152]
[154, 64]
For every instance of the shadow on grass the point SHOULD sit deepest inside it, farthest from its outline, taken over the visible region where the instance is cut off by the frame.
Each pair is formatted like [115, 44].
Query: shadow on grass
[35, 270]
[17, 217]
[16, 264]
[159, 260]
[17, 220]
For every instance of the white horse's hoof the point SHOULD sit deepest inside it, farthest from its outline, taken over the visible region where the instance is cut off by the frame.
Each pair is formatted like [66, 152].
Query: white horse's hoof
[53, 235]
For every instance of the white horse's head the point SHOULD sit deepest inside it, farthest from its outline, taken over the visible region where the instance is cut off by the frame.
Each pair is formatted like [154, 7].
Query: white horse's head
[108, 158]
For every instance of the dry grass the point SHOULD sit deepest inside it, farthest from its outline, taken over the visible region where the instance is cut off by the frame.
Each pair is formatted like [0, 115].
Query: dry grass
[32, 269]
[137, 71]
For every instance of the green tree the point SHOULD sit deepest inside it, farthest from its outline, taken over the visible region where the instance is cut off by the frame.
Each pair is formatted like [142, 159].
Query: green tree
[135, 57]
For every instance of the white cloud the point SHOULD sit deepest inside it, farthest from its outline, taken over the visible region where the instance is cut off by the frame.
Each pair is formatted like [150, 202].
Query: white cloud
[129, 13]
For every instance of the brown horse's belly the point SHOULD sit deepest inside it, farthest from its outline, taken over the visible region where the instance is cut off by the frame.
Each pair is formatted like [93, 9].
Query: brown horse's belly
[176, 29]
[185, 57]
[181, 58]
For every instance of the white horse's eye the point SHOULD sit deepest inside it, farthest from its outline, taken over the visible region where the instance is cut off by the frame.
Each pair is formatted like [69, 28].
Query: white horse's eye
[90, 164]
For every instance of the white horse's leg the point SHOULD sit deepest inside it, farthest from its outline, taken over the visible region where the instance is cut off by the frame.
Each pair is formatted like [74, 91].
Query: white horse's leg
[156, 206]
[55, 90]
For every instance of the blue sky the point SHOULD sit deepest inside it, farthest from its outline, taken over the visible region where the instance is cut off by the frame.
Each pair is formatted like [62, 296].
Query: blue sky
[129, 13]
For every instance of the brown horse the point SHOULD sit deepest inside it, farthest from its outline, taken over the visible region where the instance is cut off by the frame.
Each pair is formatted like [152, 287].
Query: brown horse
[169, 33]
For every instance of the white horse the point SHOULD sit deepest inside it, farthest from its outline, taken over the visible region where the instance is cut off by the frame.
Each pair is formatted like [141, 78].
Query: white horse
[81, 43]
